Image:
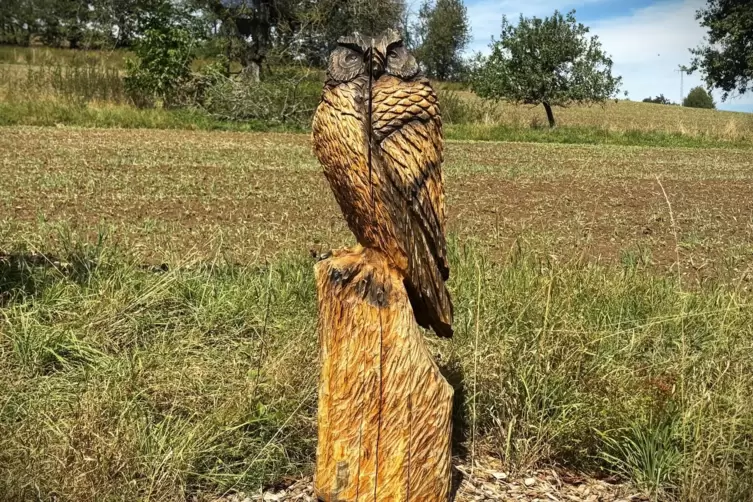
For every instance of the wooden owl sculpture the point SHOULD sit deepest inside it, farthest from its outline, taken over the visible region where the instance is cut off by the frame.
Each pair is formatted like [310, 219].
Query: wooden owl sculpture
[378, 134]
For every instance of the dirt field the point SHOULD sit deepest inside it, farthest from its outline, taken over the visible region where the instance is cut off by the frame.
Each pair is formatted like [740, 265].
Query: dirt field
[172, 195]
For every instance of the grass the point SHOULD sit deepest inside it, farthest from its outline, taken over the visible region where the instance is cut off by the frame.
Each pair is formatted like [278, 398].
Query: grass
[46, 87]
[124, 382]
[103, 115]
[591, 136]
[151, 385]
[610, 117]
[56, 113]
[157, 313]
[50, 56]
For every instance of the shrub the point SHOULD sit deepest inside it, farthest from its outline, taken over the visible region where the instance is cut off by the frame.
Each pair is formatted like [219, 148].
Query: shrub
[457, 109]
[161, 67]
[699, 98]
[659, 100]
[288, 97]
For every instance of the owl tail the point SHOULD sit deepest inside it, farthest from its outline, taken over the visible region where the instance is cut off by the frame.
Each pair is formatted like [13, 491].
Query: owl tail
[427, 291]
[432, 313]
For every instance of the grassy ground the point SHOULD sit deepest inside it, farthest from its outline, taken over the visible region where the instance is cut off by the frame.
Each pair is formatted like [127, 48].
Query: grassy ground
[257, 193]
[45, 112]
[48, 87]
[157, 317]
[614, 116]
[41, 56]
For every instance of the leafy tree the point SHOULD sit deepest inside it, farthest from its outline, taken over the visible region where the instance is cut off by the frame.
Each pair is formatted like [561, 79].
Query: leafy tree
[78, 23]
[726, 60]
[250, 28]
[125, 21]
[548, 61]
[442, 33]
[55, 22]
[162, 64]
[64, 21]
[17, 22]
[322, 22]
[659, 100]
[698, 98]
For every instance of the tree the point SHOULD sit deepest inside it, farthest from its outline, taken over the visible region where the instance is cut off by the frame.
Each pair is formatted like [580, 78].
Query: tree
[322, 22]
[698, 98]
[442, 32]
[726, 60]
[163, 58]
[548, 61]
[54, 22]
[64, 21]
[17, 22]
[125, 21]
[659, 100]
[77, 23]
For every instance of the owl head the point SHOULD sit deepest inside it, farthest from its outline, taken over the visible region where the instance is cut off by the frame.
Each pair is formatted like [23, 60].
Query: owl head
[360, 55]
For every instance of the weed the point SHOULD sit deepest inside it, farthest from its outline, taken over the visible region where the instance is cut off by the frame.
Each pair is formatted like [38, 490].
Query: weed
[200, 377]
[648, 453]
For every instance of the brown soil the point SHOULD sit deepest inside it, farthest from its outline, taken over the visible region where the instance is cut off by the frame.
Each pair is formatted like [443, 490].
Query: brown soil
[175, 193]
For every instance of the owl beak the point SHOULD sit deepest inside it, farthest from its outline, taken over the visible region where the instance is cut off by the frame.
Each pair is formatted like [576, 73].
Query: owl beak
[377, 64]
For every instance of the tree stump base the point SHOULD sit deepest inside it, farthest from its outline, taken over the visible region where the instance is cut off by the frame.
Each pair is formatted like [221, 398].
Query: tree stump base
[384, 408]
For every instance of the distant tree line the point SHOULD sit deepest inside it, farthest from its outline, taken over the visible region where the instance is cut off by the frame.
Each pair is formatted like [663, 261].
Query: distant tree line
[658, 100]
[698, 97]
[551, 61]
[249, 32]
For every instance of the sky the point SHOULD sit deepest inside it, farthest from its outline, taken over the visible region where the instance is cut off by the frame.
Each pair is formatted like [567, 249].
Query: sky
[647, 39]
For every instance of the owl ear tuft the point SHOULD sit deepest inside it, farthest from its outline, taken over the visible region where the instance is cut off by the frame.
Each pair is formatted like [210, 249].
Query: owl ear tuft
[392, 39]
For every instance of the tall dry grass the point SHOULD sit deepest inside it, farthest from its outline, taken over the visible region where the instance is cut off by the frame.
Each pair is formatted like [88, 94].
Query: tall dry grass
[126, 382]
[464, 108]
[74, 80]
[50, 56]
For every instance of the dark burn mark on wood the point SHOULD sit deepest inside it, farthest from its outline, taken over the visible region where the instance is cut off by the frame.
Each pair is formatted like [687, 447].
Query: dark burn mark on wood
[373, 291]
[367, 286]
[341, 277]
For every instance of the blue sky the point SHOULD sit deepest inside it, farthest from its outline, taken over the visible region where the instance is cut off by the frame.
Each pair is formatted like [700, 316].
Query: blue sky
[647, 39]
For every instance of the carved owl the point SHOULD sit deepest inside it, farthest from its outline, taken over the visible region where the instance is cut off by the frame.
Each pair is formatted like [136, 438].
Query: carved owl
[378, 134]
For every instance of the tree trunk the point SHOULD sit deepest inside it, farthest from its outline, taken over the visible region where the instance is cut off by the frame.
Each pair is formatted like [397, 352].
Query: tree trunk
[252, 71]
[384, 408]
[549, 114]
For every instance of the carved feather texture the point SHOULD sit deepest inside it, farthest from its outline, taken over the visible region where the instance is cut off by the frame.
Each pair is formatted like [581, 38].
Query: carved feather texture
[397, 206]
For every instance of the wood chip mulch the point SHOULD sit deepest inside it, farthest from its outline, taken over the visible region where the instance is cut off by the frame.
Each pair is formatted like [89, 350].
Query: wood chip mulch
[486, 483]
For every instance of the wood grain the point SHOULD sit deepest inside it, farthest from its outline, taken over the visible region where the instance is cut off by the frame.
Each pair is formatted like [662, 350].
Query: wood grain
[384, 408]
[384, 165]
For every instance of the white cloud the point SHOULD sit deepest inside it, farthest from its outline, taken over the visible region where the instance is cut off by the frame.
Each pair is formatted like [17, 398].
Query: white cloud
[647, 45]
[485, 16]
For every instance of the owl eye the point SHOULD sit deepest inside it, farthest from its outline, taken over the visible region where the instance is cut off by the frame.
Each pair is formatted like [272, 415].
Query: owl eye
[351, 58]
[392, 55]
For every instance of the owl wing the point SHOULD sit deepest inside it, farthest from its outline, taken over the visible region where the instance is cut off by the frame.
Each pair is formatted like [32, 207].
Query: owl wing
[407, 150]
